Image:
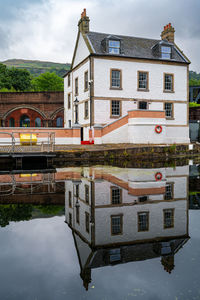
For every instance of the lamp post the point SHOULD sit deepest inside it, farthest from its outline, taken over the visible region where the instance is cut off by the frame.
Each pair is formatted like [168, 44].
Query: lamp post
[76, 110]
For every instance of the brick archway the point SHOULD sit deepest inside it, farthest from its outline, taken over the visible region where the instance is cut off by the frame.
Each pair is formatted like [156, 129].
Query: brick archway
[13, 117]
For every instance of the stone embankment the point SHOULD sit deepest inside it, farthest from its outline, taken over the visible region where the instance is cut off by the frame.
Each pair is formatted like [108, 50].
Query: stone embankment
[123, 152]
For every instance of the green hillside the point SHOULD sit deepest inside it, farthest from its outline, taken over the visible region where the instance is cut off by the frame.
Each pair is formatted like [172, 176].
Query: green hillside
[37, 67]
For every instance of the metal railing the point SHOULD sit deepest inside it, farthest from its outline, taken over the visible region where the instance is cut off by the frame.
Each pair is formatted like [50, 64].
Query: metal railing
[45, 142]
[30, 186]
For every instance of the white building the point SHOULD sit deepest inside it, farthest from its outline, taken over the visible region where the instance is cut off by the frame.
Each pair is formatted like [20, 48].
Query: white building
[132, 90]
[121, 215]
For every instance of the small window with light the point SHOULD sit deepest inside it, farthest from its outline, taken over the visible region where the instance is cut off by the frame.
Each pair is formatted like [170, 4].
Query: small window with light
[114, 47]
[166, 52]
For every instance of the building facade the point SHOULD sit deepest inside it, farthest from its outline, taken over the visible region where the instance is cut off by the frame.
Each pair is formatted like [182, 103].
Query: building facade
[128, 89]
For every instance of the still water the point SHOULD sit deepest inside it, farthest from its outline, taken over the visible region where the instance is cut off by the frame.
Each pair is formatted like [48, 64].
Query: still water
[100, 232]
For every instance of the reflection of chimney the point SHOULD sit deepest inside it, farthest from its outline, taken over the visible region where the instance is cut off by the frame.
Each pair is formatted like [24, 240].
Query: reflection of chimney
[83, 23]
[168, 33]
[86, 277]
[168, 263]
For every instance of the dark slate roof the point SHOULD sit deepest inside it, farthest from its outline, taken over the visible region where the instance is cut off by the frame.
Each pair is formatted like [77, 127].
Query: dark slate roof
[134, 47]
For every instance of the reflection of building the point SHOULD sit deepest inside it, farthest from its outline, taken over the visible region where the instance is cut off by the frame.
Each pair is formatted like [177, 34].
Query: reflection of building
[122, 215]
[32, 188]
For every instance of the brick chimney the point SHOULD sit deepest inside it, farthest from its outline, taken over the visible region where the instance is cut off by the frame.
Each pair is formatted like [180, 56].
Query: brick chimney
[83, 23]
[168, 33]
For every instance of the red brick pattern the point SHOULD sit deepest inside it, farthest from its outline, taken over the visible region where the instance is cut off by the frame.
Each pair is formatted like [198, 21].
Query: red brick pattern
[48, 106]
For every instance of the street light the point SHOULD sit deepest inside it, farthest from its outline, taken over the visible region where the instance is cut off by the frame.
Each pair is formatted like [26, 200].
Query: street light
[76, 110]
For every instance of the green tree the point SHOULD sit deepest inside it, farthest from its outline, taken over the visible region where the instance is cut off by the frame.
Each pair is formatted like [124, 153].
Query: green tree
[47, 82]
[20, 79]
[194, 82]
[15, 212]
[5, 80]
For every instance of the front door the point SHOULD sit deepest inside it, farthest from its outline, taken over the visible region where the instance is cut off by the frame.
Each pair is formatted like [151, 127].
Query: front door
[81, 134]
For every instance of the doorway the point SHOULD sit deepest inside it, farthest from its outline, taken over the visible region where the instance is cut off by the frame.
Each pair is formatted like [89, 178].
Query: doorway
[81, 134]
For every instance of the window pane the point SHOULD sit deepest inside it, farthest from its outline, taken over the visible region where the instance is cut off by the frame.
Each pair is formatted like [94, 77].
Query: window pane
[168, 191]
[87, 221]
[168, 218]
[166, 49]
[114, 47]
[86, 193]
[86, 80]
[166, 52]
[143, 221]
[69, 101]
[168, 109]
[142, 80]
[115, 108]
[24, 121]
[37, 122]
[86, 109]
[116, 224]
[168, 82]
[142, 105]
[59, 122]
[70, 199]
[116, 195]
[115, 79]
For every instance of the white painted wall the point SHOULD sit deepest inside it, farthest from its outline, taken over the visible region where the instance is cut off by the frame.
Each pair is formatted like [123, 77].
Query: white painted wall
[82, 95]
[130, 228]
[129, 80]
[81, 52]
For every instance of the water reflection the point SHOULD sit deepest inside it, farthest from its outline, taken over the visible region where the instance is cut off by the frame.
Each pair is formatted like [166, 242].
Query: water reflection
[30, 195]
[115, 215]
[121, 215]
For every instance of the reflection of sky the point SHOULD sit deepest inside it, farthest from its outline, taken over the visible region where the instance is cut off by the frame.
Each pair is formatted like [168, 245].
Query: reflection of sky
[38, 261]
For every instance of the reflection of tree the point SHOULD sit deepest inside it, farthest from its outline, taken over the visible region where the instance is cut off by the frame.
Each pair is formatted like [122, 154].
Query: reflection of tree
[51, 209]
[24, 212]
[15, 212]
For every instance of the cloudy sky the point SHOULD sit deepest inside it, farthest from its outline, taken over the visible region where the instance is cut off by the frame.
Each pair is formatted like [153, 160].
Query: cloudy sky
[46, 29]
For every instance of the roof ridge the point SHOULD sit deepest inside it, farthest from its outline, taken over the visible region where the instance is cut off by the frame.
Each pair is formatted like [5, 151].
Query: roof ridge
[129, 36]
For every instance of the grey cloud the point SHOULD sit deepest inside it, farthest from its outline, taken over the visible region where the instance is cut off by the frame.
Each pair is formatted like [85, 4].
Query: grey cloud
[131, 17]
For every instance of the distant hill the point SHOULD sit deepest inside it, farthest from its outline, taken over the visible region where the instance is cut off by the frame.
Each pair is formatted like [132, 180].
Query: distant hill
[37, 67]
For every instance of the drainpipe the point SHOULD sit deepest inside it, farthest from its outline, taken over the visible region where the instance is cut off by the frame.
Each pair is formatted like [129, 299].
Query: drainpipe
[90, 85]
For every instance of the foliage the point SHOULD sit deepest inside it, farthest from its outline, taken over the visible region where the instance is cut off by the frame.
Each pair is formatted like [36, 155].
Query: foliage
[47, 82]
[194, 78]
[14, 212]
[51, 209]
[194, 75]
[5, 90]
[194, 82]
[20, 79]
[5, 81]
[14, 79]
[194, 104]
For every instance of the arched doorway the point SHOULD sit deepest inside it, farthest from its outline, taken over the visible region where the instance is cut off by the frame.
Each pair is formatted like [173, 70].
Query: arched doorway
[24, 121]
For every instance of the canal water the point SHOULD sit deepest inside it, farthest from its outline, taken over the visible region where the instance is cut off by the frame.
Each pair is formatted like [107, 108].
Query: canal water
[100, 232]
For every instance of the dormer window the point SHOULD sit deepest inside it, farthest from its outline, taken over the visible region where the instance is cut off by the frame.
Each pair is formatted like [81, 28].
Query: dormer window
[166, 52]
[114, 47]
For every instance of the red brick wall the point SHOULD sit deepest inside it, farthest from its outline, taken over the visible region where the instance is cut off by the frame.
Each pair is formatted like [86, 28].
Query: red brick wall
[38, 104]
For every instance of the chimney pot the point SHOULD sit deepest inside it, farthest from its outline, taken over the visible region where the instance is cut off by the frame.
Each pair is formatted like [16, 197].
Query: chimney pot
[83, 23]
[168, 33]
